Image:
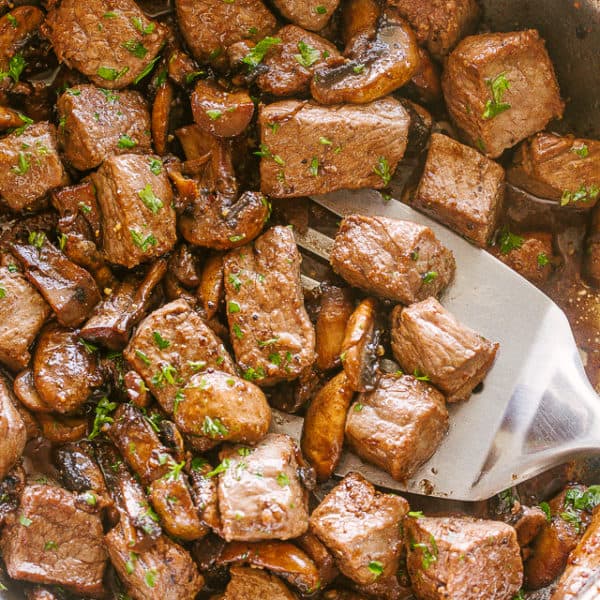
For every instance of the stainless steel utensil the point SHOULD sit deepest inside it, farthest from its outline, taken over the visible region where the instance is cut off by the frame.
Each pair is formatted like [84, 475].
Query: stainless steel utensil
[536, 409]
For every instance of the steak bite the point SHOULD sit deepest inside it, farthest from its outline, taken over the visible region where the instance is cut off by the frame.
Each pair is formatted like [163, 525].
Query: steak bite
[51, 541]
[393, 259]
[13, 433]
[272, 336]
[30, 166]
[361, 527]
[138, 220]
[165, 571]
[249, 584]
[461, 188]
[70, 290]
[22, 314]
[169, 346]
[309, 149]
[210, 28]
[306, 14]
[399, 425]
[288, 67]
[97, 123]
[110, 41]
[260, 494]
[565, 169]
[500, 88]
[439, 24]
[64, 371]
[428, 340]
[462, 558]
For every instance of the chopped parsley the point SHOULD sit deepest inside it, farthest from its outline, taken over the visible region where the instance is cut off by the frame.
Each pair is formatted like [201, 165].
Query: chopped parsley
[150, 200]
[429, 276]
[542, 259]
[103, 409]
[239, 334]
[320, 10]
[269, 342]
[2, 291]
[143, 243]
[23, 164]
[213, 427]
[16, 65]
[85, 208]
[111, 74]
[130, 564]
[429, 555]
[90, 498]
[143, 357]
[233, 307]
[308, 55]
[546, 508]
[167, 373]
[12, 20]
[37, 239]
[415, 514]
[235, 281]
[257, 54]
[581, 500]
[160, 341]
[136, 48]
[581, 151]
[147, 70]
[91, 348]
[358, 407]
[198, 462]
[325, 141]
[50, 545]
[139, 25]
[572, 518]
[418, 374]
[509, 241]
[214, 114]
[175, 471]
[383, 170]
[495, 106]
[252, 374]
[237, 238]
[314, 166]
[221, 468]
[26, 522]
[282, 479]
[376, 568]
[150, 577]
[126, 142]
[583, 194]
[197, 365]
[358, 69]
[155, 166]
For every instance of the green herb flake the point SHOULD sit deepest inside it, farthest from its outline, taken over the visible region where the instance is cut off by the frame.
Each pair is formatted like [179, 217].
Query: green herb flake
[358, 407]
[150, 577]
[358, 69]
[257, 54]
[244, 451]
[509, 241]
[376, 568]
[26, 522]
[175, 471]
[12, 20]
[130, 564]
[147, 70]
[582, 151]
[73, 92]
[320, 10]
[136, 48]
[325, 141]
[283, 480]
[235, 281]
[252, 374]
[429, 554]
[160, 341]
[23, 165]
[143, 357]
[221, 468]
[419, 375]
[2, 291]
[546, 508]
[308, 55]
[198, 463]
[274, 127]
[167, 374]
[111, 74]
[429, 276]
[214, 428]
[582, 194]
[236, 238]
[498, 85]
[269, 342]
[275, 358]
[110, 15]
[84, 208]
[239, 334]
[572, 518]
[143, 243]
[90, 498]
[16, 65]
[314, 166]
[233, 307]
[103, 410]
[214, 114]
[50, 545]
[416, 514]
[143, 29]
[150, 200]
[155, 166]
[383, 170]
[542, 259]
[126, 142]
[37, 239]
[90, 348]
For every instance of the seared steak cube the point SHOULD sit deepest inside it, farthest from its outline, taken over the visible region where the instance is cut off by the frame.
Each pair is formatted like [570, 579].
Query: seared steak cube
[439, 24]
[166, 571]
[462, 558]
[30, 166]
[530, 255]
[288, 66]
[306, 13]
[260, 494]
[272, 336]
[96, 123]
[309, 149]
[249, 584]
[500, 88]
[430, 342]
[138, 220]
[22, 314]
[51, 541]
[393, 259]
[361, 527]
[397, 426]
[170, 345]
[13, 433]
[110, 41]
[565, 169]
[210, 28]
[461, 188]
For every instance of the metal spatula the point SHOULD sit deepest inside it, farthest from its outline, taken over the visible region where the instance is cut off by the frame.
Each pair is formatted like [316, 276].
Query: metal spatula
[537, 408]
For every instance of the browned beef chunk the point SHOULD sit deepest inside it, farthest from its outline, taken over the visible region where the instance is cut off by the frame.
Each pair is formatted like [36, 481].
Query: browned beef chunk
[110, 41]
[138, 220]
[272, 336]
[500, 88]
[170, 345]
[209, 28]
[565, 169]
[217, 406]
[361, 527]
[311, 149]
[96, 123]
[439, 25]
[11, 488]
[260, 494]
[22, 314]
[204, 492]
[30, 166]
[51, 541]
[306, 14]
[70, 290]
[462, 558]
[64, 371]
[289, 66]
[399, 425]
[462, 189]
[13, 434]
[115, 317]
[429, 341]
[165, 571]
[393, 259]
[531, 256]
[248, 584]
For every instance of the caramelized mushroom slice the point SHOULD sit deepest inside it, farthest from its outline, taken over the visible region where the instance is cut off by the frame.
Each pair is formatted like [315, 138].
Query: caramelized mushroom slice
[161, 112]
[13, 435]
[360, 345]
[60, 429]
[375, 65]
[220, 112]
[24, 389]
[283, 558]
[211, 290]
[323, 430]
[313, 546]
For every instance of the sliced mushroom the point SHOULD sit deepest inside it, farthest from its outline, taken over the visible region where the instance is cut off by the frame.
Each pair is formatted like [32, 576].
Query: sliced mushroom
[219, 112]
[13, 434]
[313, 546]
[182, 68]
[25, 391]
[360, 346]
[211, 290]
[161, 112]
[60, 429]
[425, 85]
[375, 65]
[136, 389]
